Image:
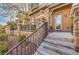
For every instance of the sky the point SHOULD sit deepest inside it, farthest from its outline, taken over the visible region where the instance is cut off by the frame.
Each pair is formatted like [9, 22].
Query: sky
[4, 20]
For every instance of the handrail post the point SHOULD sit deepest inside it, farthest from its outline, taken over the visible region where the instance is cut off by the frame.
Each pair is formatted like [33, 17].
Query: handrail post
[46, 28]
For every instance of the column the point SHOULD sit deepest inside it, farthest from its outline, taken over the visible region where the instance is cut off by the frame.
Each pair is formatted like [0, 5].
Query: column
[76, 26]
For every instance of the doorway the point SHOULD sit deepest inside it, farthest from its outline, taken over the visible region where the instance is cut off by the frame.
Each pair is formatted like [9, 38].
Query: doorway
[58, 23]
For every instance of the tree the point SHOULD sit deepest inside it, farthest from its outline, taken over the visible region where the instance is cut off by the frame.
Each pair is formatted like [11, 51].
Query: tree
[21, 15]
[12, 10]
[9, 23]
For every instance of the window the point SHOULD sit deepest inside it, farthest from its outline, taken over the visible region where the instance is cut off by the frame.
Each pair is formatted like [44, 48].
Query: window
[34, 5]
[29, 27]
[33, 21]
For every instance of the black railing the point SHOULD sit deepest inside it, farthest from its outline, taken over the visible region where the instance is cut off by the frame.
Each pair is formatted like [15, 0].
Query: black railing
[30, 44]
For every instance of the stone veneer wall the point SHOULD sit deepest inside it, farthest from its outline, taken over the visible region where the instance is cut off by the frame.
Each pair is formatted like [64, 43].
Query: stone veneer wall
[76, 26]
[40, 16]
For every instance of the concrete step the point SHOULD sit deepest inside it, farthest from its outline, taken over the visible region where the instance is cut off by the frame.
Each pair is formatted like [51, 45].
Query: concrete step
[61, 35]
[60, 42]
[37, 53]
[59, 49]
[45, 51]
[60, 38]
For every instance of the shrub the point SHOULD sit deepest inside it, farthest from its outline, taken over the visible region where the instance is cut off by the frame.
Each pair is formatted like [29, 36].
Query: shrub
[3, 37]
[21, 37]
[2, 31]
[3, 47]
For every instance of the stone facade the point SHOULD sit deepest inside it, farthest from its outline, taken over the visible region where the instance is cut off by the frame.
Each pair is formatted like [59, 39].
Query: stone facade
[76, 26]
[40, 14]
[47, 12]
[44, 12]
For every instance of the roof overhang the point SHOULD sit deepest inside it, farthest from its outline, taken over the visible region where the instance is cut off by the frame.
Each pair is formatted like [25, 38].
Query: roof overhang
[58, 6]
[36, 10]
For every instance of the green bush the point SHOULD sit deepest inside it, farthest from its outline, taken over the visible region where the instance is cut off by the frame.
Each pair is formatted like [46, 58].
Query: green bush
[3, 37]
[3, 47]
[21, 37]
[2, 31]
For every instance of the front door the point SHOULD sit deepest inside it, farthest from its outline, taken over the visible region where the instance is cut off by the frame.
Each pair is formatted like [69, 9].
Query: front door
[58, 22]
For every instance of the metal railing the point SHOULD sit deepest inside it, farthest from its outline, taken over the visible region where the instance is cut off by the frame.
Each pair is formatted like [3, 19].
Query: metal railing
[29, 45]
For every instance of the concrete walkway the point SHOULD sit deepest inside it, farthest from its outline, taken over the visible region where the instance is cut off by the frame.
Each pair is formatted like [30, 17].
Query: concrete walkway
[57, 43]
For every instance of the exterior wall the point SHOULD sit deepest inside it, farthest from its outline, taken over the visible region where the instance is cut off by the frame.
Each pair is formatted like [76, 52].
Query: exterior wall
[41, 15]
[22, 22]
[76, 26]
[65, 11]
[22, 33]
[34, 6]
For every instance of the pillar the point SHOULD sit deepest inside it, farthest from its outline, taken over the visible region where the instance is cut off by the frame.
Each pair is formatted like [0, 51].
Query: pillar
[76, 26]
